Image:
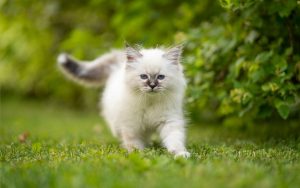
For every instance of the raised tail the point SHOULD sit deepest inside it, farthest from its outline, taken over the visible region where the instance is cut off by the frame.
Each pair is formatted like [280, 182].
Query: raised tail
[92, 73]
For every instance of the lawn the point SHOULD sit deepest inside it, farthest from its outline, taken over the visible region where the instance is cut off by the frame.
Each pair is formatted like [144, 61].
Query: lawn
[47, 145]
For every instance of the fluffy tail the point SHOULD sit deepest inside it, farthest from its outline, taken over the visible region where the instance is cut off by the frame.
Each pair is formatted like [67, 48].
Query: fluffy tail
[92, 73]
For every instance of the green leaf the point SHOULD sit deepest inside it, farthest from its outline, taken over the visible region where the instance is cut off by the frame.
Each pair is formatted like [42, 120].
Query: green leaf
[283, 109]
[264, 56]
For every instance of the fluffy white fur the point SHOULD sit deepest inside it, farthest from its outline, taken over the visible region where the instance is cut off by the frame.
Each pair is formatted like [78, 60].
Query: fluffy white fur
[133, 110]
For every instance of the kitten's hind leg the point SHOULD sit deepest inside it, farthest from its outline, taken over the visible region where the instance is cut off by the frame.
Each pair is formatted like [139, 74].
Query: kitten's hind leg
[173, 138]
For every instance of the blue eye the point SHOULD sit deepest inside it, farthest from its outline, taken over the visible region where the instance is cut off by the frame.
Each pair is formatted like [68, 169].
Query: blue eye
[144, 76]
[161, 77]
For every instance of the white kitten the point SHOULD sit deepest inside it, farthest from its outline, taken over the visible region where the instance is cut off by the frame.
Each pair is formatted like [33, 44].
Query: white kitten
[143, 94]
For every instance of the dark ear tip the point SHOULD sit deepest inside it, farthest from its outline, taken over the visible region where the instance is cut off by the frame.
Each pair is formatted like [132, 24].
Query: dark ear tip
[180, 45]
[127, 44]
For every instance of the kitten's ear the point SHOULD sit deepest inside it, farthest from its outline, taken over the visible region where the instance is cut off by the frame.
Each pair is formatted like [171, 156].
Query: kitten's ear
[132, 54]
[173, 54]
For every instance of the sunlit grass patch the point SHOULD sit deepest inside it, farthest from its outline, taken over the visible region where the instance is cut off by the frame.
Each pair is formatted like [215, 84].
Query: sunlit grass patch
[71, 148]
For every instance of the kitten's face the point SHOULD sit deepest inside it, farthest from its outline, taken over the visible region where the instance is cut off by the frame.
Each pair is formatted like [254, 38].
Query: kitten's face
[152, 82]
[153, 71]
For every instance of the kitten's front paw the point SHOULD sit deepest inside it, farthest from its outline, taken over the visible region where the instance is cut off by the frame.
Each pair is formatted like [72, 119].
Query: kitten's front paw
[183, 154]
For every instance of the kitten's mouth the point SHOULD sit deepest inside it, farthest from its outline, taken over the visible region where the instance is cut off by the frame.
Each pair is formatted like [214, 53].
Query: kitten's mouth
[152, 91]
[155, 90]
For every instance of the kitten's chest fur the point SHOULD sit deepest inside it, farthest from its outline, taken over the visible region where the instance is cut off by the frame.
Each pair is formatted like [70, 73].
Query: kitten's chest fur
[152, 113]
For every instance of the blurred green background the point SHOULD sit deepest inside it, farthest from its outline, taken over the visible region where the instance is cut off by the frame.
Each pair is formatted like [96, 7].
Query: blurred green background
[242, 58]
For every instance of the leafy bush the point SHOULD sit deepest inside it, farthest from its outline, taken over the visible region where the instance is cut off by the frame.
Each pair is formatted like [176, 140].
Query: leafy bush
[246, 62]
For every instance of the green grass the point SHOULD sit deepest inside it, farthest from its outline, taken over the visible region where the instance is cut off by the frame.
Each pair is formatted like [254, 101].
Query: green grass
[68, 148]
